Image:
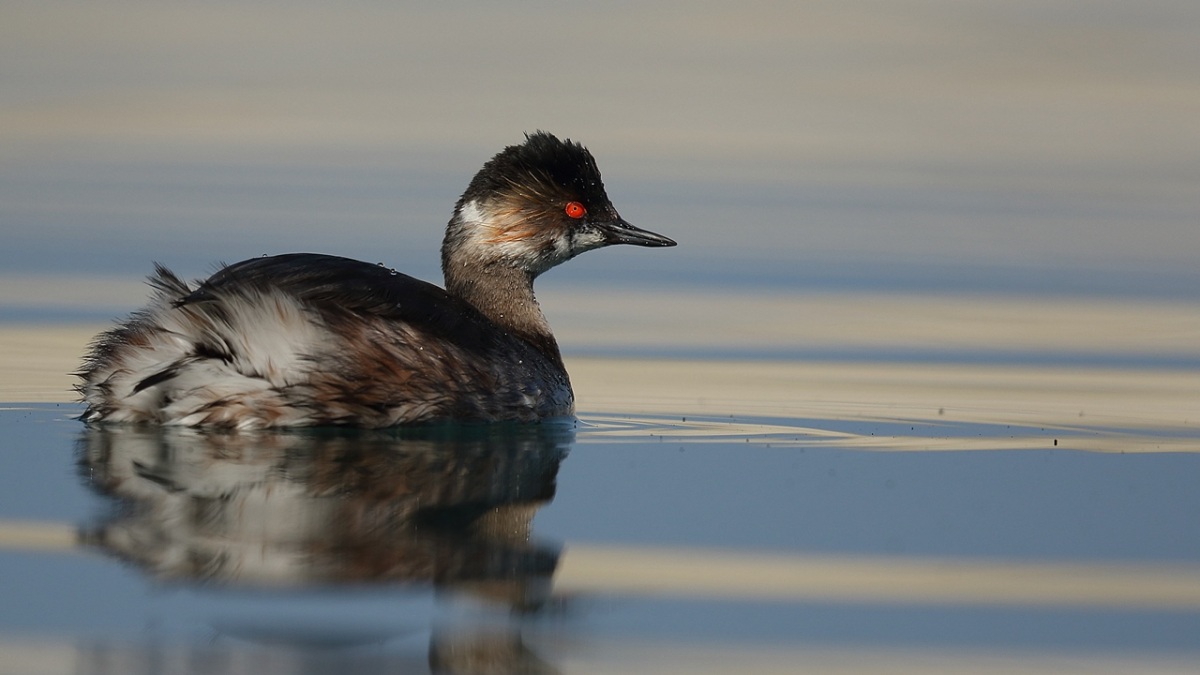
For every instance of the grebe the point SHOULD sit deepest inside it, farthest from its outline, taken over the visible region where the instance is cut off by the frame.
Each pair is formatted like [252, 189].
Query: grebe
[305, 339]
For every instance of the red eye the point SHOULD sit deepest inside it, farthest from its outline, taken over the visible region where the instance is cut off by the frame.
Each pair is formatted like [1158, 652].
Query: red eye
[575, 210]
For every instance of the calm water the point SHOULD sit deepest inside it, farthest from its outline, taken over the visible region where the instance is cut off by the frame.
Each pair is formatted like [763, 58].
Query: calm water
[619, 539]
[919, 390]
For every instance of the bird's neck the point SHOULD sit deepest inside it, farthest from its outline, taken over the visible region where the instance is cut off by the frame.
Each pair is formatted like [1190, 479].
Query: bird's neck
[504, 294]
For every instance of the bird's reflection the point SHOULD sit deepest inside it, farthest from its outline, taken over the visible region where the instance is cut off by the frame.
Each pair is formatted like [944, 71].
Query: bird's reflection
[448, 506]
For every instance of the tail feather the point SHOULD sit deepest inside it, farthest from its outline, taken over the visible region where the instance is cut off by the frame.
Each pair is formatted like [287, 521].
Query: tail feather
[174, 362]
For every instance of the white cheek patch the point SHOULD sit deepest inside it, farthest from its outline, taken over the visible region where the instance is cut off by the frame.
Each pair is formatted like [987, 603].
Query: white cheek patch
[474, 243]
[586, 240]
[481, 227]
[472, 215]
[485, 240]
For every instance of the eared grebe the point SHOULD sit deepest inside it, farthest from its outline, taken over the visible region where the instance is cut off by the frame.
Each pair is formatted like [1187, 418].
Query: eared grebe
[306, 339]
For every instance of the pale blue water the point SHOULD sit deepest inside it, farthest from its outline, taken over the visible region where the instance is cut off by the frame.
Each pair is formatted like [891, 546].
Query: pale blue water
[176, 524]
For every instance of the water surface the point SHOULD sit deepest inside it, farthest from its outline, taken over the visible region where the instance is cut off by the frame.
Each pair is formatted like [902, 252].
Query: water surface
[867, 530]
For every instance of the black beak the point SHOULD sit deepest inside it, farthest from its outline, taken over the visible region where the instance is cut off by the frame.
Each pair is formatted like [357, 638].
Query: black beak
[621, 232]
